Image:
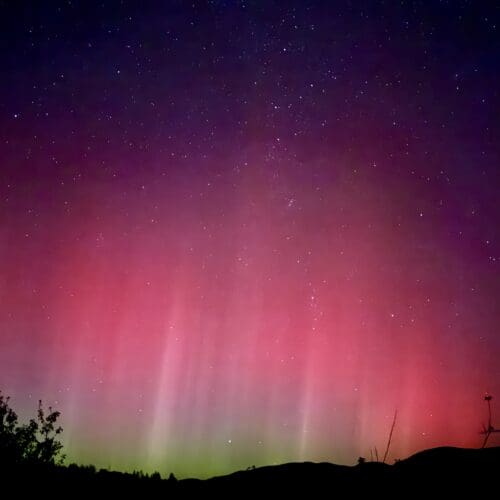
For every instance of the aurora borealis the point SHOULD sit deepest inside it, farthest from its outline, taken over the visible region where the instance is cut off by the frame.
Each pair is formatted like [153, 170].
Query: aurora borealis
[244, 232]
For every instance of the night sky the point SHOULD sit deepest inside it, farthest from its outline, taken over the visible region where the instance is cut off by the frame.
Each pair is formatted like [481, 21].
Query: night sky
[239, 233]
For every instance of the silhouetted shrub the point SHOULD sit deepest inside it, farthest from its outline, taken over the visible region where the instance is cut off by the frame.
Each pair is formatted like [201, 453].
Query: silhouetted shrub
[32, 443]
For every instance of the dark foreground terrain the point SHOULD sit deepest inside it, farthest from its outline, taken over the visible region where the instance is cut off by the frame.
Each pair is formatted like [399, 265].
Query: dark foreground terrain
[446, 470]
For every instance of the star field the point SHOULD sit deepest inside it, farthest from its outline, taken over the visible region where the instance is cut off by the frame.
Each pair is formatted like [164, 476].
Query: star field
[237, 233]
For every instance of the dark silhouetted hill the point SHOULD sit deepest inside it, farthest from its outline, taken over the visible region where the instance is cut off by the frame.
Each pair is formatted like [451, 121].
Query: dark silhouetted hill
[446, 471]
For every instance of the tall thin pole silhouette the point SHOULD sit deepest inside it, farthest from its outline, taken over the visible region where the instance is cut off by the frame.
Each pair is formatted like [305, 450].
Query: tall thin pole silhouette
[390, 436]
[490, 429]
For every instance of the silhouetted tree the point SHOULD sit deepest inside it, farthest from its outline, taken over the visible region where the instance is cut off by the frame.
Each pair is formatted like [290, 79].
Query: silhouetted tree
[9, 448]
[32, 443]
[488, 431]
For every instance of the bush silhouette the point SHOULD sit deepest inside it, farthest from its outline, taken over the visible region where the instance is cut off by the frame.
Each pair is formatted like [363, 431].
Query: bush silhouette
[33, 443]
